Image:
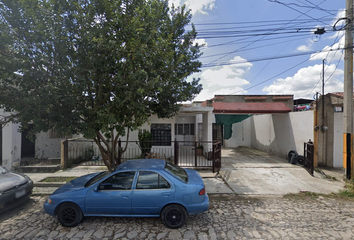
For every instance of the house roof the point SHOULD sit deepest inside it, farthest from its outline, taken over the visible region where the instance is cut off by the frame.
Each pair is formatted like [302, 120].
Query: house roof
[253, 107]
[339, 94]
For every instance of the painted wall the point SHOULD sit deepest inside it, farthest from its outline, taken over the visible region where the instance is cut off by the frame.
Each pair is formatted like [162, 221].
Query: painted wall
[11, 146]
[279, 133]
[338, 140]
[241, 135]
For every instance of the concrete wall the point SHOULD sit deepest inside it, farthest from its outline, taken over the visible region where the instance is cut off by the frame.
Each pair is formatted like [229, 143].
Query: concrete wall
[338, 140]
[279, 133]
[11, 146]
[241, 134]
[46, 147]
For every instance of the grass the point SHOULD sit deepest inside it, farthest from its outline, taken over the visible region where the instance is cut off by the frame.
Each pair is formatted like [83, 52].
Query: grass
[58, 179]
[346, 194]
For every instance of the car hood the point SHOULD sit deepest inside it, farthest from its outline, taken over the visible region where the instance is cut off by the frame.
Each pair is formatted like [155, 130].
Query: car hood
[194, 177]
[75, 184]
[11, 180]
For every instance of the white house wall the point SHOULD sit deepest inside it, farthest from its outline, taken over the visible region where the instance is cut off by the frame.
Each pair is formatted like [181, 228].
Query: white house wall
[241, 135]
[338, 140]
[279, 133]
[46, 147]
[11, 146]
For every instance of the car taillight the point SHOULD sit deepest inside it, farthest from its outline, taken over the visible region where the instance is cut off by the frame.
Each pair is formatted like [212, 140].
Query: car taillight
[202, 192]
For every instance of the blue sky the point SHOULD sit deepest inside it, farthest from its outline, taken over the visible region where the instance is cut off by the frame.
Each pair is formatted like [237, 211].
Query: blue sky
[268, 46]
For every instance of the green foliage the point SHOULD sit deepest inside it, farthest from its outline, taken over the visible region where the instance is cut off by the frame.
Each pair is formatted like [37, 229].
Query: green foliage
[96, 67]
[145, 142]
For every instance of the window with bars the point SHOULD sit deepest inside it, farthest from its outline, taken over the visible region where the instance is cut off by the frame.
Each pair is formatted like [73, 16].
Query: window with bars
[161, 134]
[184, 128]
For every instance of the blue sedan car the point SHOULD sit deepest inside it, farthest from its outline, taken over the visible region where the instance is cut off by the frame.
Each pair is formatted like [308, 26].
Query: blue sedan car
[137, 188]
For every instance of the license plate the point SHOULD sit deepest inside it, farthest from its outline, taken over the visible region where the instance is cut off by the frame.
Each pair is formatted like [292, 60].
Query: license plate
[20, 193]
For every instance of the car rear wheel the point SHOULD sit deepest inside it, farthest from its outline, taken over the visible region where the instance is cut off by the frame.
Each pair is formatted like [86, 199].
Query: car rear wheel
[174, 216]
[69, 214]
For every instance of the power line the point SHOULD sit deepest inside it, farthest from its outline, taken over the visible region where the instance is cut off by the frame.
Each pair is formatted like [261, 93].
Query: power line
[264, 36]
[269, 58]
[263, 46]
[287, 5]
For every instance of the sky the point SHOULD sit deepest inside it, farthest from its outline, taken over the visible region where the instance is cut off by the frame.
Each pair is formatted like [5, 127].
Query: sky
[262, 47]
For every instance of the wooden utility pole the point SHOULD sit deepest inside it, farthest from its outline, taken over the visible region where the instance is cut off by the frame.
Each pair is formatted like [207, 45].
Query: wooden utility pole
[348, 94]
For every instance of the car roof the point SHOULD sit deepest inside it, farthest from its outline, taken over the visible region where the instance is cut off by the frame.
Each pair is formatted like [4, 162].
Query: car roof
[136, 164]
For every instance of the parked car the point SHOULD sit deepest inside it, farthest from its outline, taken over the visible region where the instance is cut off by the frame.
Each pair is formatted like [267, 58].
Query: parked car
[13, 188]
[137, 188]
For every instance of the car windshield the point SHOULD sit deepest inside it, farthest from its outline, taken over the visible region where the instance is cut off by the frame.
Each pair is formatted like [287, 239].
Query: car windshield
[3, 170]
[97, 178]
[177, 172]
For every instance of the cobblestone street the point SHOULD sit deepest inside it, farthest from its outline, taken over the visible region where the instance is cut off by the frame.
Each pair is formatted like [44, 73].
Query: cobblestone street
[229, 217]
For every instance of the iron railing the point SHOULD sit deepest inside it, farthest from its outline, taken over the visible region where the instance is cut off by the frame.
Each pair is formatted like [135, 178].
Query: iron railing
[202, 154]
[309, 157]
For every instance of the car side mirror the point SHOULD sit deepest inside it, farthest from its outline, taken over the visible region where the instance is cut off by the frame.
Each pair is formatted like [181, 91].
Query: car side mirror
[95, 189]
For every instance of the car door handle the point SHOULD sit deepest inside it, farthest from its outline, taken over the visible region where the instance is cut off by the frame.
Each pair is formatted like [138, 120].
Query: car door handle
[127, 196]
[166, 194]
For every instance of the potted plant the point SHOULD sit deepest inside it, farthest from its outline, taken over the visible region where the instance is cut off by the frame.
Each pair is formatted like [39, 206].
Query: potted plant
[200, 150]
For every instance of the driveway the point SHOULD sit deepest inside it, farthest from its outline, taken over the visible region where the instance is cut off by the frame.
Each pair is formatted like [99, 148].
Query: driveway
[251, 172]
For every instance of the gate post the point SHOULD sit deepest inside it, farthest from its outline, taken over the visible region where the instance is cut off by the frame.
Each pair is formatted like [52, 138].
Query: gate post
[64, 154]
[176, 152]
[119, 161]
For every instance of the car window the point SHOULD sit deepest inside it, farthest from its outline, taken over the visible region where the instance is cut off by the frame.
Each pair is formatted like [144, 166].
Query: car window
[119, 181]
[151, 180]
[176, 171]
[97, 178]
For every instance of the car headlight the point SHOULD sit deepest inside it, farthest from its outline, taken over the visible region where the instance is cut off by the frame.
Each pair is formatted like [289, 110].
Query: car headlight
[49, 201]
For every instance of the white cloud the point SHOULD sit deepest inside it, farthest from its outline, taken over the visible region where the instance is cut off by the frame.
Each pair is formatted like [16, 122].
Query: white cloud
[201, 42]
[304, 48]
[201, 6]
[330, 52]
[226, 79]
[303, 83]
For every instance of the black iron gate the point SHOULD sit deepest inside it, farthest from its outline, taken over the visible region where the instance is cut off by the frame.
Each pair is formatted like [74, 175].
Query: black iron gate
[309, 157]
[216, 156]
[202, 154]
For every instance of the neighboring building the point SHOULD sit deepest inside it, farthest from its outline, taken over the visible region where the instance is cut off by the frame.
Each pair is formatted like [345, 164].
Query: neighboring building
[330, 129]
[231, 109]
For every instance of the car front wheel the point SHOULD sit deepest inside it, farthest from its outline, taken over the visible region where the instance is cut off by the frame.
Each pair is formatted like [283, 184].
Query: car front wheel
[174, 216]
[69, 214]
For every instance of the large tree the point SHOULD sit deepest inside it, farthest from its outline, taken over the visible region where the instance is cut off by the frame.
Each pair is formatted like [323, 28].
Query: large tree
[96, 67]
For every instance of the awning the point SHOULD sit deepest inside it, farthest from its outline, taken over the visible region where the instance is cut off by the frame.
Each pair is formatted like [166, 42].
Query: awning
[227, 120]
[250, 108]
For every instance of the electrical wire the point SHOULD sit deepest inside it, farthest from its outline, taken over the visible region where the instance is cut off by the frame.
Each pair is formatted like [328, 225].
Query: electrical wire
[305, 14]
[335, 41]
[263, 46]
[268, 58]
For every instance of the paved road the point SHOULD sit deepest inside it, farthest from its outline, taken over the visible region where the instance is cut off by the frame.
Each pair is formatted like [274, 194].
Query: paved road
[229, 217]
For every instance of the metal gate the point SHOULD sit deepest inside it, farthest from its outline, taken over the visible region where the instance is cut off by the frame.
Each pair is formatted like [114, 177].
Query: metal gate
[216, 156]
[308, 156]
[182, 153]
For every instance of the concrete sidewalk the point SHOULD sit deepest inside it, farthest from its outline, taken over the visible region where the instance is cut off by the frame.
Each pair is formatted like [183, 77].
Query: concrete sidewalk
[213, 183]
[244, 171]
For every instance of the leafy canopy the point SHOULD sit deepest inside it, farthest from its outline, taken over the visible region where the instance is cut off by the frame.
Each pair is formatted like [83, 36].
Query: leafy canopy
[94, 66]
